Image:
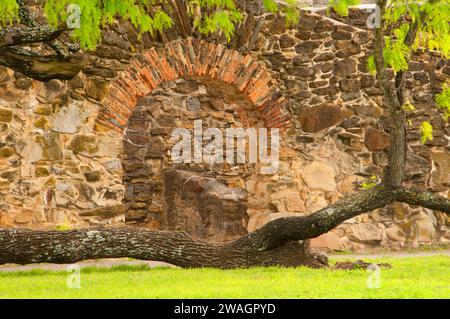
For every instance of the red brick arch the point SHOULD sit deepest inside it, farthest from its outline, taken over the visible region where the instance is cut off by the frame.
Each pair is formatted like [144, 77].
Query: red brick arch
[187, 58]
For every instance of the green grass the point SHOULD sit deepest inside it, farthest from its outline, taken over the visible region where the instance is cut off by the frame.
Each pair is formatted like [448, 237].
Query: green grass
[418, 277]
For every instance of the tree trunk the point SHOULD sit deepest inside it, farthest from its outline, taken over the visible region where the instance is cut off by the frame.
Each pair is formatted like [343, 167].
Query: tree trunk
[178, 248]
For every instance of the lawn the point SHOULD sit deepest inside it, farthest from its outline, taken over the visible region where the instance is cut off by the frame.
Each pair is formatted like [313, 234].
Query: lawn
[418, 277]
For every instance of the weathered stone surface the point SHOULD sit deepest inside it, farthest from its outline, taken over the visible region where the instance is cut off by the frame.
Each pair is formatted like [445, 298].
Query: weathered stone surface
[96, 88]
[345, 67]
[425, 223]
[396, 234]
[441, 160]
[105, 212]
[329, 241]
[312, 77]
[6, 152]
[307, 46]
[51, 146]
[44, 109]
[348, 51]
[324, 57]
[6, 220]
[259, 220]
[341, 35]
[70, 118]
[5, 114]
[24, 217]
[361, 37]
[321, 117]
[84, 144]
[203, 206]
[350, 85]
[364, 232]
[286, 41]
[319, 175]
[376, 140]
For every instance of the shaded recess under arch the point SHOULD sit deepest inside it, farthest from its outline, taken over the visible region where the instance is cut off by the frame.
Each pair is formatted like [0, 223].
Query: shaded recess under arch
[208, 200]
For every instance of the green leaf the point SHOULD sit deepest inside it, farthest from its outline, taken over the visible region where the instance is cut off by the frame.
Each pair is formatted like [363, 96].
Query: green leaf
[270, 5]
[9, 10]
[341, 6]
[371, 65]
[426, 131]
[443, 101]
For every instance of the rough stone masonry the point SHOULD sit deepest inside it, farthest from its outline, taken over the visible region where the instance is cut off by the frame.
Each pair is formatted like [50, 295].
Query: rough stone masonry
[96, 149]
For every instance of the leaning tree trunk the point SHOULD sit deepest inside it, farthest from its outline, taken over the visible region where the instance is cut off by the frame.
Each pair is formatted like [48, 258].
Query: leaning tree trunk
[177, 248]
[281, 242]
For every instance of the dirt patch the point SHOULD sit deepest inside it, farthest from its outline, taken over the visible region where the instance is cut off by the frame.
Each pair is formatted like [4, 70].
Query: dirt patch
[359, 264]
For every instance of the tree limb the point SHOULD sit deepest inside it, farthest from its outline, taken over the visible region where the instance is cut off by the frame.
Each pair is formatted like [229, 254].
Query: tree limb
[395, 171]
[30, 21]
[42, 68]
[282, 230]
[20, 36]
[277, 243]
[424, 199]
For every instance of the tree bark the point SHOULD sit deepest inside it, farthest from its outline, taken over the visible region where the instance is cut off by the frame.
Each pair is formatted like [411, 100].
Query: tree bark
[424, 199]
[42, 68]
[282, 242]
[20, 36]
[282, 230]
[30, 21]
[397, 154]
[178, 248]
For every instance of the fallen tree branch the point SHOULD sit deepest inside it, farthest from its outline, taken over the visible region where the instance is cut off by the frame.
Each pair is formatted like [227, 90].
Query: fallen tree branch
[24, 246]
[282, 242]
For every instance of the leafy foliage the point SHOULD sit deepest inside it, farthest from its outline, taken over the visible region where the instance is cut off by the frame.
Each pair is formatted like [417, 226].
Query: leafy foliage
[426, 131]
[97, 13]
[223, 18]
[408, 107]
[9, 9]
[210, 16]
[431, 22]
[396, 52]
[443, 101]
[341, 6]
[435, 30]
[369, 183]
[270, 5]
[371, 65]
[432, 19]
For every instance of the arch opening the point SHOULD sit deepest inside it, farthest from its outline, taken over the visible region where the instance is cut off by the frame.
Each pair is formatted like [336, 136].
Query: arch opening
[206, 199]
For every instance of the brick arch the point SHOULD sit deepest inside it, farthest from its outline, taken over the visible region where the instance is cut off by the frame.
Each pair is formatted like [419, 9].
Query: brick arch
[188, 58]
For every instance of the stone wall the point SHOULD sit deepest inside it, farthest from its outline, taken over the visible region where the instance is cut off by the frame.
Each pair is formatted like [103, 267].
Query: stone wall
[95, 150]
